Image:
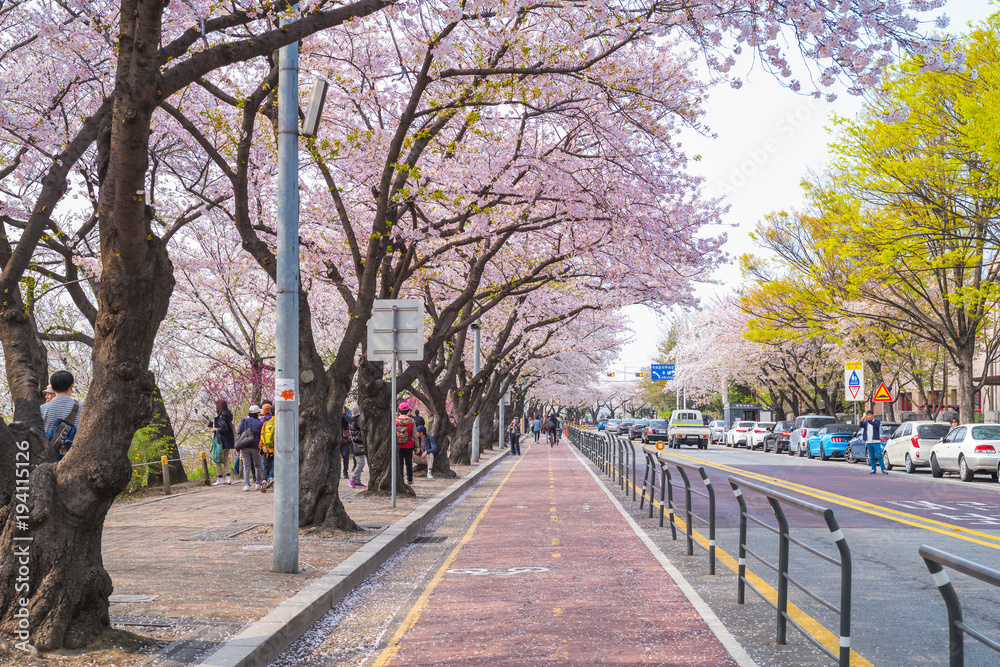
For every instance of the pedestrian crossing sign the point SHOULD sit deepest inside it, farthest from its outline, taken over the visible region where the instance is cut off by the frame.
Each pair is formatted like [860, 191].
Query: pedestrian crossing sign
[882, 394]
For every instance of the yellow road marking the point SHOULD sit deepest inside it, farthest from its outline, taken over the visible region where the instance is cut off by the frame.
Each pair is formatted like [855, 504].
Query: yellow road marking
[557, 612]
[555, 541]
[413, 616]
[807, 622]
[556, 554]
[959, 532]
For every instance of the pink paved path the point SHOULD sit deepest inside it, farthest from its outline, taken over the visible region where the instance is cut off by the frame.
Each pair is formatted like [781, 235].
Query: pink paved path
[602, 598]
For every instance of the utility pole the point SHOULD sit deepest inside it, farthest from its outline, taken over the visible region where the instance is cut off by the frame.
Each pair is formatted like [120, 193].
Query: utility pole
[285, 557]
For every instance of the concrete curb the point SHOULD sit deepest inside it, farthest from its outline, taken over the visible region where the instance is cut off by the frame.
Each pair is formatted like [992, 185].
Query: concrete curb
[262, 642]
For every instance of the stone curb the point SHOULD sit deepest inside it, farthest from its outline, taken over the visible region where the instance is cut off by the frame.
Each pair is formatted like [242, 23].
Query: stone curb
[260, 643]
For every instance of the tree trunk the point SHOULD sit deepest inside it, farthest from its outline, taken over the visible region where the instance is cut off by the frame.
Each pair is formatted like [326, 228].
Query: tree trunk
[25, 359]
[376, 425]
[68, 587]
[320, 435]
[966, 382]
[165, 430]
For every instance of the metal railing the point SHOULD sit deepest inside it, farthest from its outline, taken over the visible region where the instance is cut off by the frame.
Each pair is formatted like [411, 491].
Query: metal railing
[775, 500]
[936, 560]
[690, 516]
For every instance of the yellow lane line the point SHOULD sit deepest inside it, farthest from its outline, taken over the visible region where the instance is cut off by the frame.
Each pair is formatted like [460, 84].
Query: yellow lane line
[992, 541]
[805, 621]
[395, 644]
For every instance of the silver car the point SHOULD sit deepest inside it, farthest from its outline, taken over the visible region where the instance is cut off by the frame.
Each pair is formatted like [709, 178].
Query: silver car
[968, 449]
[805, 426]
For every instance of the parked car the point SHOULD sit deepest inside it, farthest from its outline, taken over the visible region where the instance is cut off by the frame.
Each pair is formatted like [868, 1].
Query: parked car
[717, 431]
[686, 427]
[611, 427]
[635, 430]
[911, 443]
[755, 436]
[655, 431]
[805, 426]
[777, 438]
[830, 440]
[737, 435]
[968, 449]
[624, 426]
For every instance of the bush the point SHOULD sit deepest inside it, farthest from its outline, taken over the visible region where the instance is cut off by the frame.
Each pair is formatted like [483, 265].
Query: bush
[144, 453]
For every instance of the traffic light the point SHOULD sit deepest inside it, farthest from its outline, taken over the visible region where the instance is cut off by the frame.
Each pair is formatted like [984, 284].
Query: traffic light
[611, 374]
[638, 375]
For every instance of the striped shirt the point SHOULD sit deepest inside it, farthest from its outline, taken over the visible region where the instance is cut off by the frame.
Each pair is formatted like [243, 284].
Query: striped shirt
[58, 408]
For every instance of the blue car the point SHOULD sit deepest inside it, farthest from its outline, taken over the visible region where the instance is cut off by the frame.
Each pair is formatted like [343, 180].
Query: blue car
[831, 440]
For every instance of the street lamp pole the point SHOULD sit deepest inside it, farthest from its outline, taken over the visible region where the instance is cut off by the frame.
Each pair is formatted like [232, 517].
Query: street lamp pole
[286, 427]
[475, 372]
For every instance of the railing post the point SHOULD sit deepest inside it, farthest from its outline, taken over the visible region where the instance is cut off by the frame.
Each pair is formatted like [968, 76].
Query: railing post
[956, 638]
[742, 554]
[670, 502]
[204, 468]
[687, 511]
[663, 491]
[631, 449]
[845, 588]
[782, 569]
[166, 475]
[711, 520]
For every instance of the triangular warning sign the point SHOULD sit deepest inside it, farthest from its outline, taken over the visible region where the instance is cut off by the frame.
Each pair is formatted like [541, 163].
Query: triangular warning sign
[854, 391]
[882, 394]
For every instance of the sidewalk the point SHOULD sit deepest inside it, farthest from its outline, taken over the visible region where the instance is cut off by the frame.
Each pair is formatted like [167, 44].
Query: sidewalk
[196, 566]
[551, 572]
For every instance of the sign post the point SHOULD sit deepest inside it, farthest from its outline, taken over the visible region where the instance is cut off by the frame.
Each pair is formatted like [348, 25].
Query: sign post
[396, 333]
[854, 384]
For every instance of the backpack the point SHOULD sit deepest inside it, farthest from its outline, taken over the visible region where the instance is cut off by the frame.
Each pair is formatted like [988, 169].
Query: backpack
[403, 431]
[60, 436]
[267, 438]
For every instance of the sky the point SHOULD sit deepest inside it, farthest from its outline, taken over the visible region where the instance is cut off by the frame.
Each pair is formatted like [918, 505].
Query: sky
[768, 139]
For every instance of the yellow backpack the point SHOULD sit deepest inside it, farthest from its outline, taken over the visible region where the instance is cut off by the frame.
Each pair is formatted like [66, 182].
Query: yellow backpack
[267, 437]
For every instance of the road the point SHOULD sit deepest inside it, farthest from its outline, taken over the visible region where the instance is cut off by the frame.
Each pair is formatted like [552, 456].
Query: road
[898, 616]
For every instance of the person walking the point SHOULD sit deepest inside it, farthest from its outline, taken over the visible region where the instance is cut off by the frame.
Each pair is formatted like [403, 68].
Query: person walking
[358, 445]
[60, 415]
[248, 445]
[871, 430]
[222, 426]
[266, 446]
[404, 436]
[426, 450]
[514, 434]
[536, 427]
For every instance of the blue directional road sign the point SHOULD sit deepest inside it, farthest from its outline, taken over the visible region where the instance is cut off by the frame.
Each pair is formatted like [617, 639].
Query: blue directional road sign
[662, 372]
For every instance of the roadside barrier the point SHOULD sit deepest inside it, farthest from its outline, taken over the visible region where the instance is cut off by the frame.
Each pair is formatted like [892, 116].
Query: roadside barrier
[936, 560]
[776, 500]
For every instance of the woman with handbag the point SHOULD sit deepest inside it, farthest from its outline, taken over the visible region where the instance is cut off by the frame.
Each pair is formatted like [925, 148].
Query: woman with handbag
[247, 444]
[222, 428]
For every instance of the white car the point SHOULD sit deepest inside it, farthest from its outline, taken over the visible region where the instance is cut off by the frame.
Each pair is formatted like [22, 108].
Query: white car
[911, 444]
[757, 433]
[968, 449]
[737, 435]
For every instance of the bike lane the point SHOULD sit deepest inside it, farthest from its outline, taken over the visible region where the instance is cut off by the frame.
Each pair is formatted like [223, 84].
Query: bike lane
[550, 571]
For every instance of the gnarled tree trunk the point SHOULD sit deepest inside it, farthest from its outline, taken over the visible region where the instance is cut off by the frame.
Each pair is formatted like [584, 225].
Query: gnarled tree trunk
[376, 424]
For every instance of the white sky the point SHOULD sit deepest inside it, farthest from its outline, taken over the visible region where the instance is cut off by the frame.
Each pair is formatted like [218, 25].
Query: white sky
[768, 139]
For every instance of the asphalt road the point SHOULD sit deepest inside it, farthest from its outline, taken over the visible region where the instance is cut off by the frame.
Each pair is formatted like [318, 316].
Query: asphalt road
[898, 616]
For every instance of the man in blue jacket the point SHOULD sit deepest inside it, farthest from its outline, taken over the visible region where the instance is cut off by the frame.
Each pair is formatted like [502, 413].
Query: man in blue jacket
[871, 431]
[427, 448]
